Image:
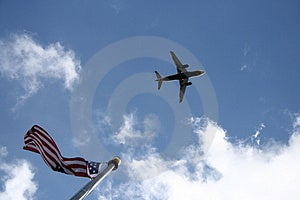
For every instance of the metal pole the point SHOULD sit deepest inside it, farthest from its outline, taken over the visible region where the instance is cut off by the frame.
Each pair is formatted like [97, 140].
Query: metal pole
[112, 165]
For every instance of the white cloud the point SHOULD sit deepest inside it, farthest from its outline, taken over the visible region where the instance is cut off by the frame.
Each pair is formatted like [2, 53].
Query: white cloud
[139, 169]
[116, 5]
[17, 182]
[246, 50]
[25, 60]
[132, 131]
[256, 136]
[296, 124]
[3, 152]
[82, 140]
[214, 169]
[244, 67]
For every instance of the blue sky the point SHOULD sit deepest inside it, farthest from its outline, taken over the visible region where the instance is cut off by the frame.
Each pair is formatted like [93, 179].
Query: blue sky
[85, 74]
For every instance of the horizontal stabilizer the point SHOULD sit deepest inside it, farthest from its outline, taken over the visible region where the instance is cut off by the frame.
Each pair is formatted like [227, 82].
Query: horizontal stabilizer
[159, 81]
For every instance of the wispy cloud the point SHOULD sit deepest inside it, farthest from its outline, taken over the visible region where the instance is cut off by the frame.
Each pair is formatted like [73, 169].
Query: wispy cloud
[116, 5]
[255, 137]
[244, 67]
[82, 140]
[217, 170]
[296, 124]
[246, 50]
[17, 182]
[132, 131]
[25, 60]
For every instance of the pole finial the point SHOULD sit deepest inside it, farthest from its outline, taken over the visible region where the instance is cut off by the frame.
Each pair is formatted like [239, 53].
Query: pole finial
[116, 161]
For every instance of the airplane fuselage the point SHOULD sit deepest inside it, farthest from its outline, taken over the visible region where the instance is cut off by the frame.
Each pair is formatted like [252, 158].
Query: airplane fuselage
[182, 75]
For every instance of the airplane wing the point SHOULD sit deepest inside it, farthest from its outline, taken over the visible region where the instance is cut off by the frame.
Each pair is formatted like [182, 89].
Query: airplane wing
[182, 83]
[177, 62]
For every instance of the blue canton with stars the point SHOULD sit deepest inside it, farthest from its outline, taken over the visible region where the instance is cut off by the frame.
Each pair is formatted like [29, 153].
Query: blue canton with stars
[93, 168]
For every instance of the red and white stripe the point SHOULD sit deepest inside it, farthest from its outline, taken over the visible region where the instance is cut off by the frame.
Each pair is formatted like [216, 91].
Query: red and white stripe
[39, 141]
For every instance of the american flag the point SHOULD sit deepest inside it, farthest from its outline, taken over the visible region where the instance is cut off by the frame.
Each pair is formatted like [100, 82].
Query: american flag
[39, 141]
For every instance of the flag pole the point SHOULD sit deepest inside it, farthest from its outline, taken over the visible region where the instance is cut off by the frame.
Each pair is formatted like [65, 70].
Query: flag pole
[112, 165]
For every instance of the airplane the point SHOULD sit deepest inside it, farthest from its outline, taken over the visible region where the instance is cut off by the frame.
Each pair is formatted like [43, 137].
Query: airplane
[182, 76]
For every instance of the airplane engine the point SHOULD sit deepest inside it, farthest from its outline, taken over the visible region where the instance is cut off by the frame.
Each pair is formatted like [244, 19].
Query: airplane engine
[188, 83]
[185, 66]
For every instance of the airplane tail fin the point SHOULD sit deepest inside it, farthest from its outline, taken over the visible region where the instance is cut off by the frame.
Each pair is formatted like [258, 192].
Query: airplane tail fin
[159, 83]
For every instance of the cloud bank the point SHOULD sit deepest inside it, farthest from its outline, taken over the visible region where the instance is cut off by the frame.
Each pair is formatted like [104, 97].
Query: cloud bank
[205, 170]
[24, 60]
[17, 182]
